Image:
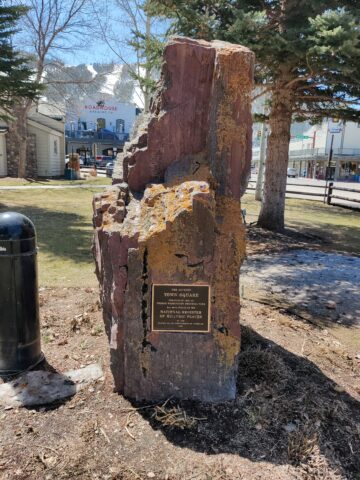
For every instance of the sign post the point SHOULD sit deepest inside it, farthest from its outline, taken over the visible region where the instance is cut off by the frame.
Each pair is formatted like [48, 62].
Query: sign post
[327, 175]
[335, 126]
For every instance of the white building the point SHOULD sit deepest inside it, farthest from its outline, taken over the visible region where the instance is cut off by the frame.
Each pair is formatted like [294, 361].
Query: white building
[98, 113]
[50, 144]
[310, 147]
[45, 147]
[98, 126]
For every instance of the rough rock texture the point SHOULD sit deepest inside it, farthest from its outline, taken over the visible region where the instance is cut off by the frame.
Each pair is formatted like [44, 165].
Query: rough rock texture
[200, 117]
[173, 216]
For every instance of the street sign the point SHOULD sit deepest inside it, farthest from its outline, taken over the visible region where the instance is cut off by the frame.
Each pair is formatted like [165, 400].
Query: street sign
[335, 126]
[302, 137]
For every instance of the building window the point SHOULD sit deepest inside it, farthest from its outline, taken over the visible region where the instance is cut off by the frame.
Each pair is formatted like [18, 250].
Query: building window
[101, 123]
[55, 147]
[120, 125]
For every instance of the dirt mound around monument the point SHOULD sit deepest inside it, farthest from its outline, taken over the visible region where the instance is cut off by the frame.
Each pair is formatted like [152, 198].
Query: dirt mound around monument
[296, 414]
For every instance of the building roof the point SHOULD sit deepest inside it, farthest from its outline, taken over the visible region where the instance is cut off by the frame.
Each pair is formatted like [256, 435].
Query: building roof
[46, 121]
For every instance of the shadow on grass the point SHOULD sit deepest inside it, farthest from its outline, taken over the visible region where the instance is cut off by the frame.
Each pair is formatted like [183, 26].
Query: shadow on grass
[63, 234]
[286, 412]
[338, 237]
[38, 180]
[334, 227]
[337, 226]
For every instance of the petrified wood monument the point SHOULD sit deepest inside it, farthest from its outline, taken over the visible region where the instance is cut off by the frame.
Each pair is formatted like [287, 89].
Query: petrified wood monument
[169, 239]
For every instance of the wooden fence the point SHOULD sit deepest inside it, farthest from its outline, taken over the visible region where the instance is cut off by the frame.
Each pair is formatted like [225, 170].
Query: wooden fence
[317, 192]
[332, 193]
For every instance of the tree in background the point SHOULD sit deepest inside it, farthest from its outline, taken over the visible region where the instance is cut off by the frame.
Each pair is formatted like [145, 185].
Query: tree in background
[148, 48]
[136, 40]
[124, 89]
[16, 77]
[49, 28]
[67, 85]
[308, 62]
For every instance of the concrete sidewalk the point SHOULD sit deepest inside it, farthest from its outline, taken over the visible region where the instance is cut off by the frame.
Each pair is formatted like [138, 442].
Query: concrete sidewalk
[45, 187]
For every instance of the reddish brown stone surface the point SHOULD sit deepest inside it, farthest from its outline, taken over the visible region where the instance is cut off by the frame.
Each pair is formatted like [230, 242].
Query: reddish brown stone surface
[200, 115]
[176, 219]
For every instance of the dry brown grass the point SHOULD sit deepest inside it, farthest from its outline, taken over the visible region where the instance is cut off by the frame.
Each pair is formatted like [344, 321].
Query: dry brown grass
[174, 417]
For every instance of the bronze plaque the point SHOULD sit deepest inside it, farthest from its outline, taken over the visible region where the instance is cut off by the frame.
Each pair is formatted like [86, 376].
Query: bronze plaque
[180, 308]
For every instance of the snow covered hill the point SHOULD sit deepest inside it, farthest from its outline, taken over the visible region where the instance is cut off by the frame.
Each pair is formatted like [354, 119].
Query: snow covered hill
[69, 85]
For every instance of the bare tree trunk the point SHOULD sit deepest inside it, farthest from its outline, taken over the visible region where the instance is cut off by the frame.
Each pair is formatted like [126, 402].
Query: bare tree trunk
[21, 125]
[45, 22]
[273, 204]
[19, 131]
[22, 158]
[259, 182]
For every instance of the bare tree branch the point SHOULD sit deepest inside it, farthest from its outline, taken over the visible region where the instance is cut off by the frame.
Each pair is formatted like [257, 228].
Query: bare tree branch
[133, 68]
[262, 92]
[49, 25]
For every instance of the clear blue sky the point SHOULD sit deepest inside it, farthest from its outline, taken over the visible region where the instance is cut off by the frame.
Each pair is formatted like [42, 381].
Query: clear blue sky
[102, 35]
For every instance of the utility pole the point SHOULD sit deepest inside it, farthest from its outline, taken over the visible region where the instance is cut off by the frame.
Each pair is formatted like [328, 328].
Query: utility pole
[328, 167]
[337, 166]
[259, 181]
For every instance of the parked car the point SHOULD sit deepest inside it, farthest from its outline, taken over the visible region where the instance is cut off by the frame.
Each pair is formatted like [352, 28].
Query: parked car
[292, 172]
[110, 168]
[90, 161]
[102, 160]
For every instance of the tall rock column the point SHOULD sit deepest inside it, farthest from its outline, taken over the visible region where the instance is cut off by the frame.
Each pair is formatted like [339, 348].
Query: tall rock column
[169, 239]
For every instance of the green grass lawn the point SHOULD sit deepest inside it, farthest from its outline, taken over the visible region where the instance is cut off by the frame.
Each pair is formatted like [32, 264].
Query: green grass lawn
[338, 227]
[63, 219]
[18, 182]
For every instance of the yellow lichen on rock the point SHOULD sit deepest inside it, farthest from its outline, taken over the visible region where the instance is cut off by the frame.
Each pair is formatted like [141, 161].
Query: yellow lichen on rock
[173, 224]
[161, 204]
[229, 347]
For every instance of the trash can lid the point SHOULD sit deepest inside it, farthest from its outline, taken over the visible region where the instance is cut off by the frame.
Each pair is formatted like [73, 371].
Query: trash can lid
[15, 226]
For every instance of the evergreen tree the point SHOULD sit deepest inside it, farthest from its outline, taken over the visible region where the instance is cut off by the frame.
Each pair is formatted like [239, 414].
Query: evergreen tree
[308, 62]
[15, 74]
[145, 41]
[148, 48]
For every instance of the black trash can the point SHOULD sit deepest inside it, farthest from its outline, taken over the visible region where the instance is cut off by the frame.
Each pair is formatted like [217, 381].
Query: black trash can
[20, 346]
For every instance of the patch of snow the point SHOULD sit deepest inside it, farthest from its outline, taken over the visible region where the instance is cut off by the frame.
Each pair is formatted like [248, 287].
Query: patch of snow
[41, 387]
[92, 70]
[111, 79]
[138, 97]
